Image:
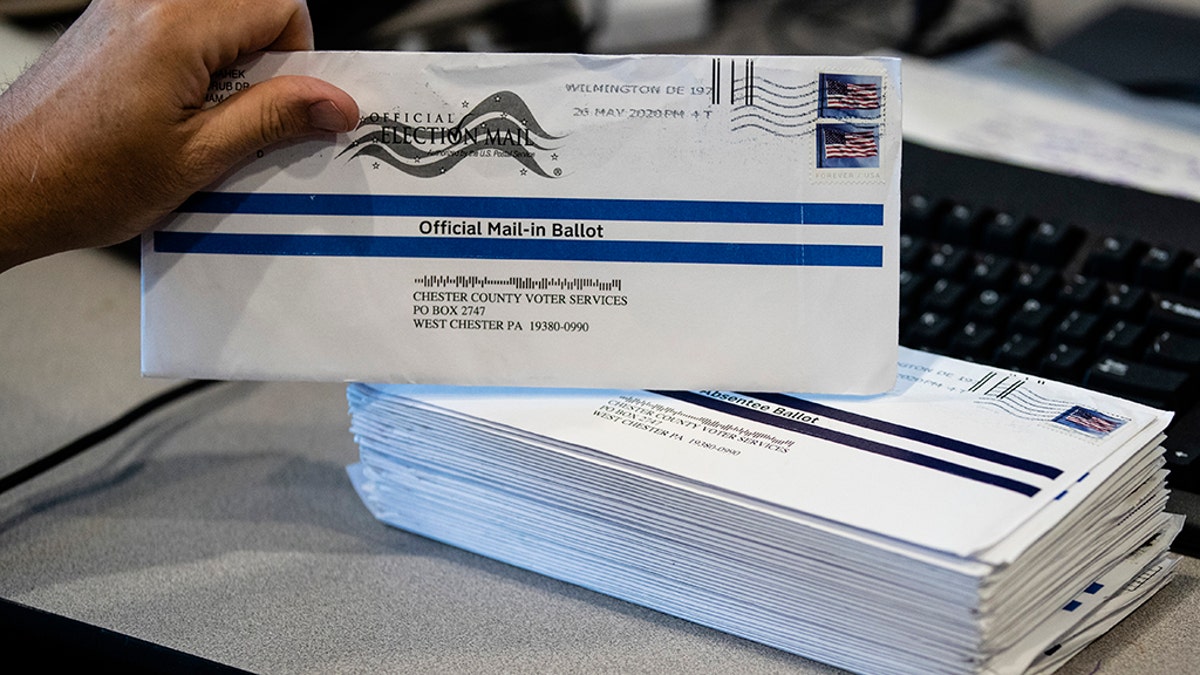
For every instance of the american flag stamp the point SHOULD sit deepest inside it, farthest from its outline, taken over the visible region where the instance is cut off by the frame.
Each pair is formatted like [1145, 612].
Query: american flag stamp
[1092, 422]
[851, 96]
[842, 146]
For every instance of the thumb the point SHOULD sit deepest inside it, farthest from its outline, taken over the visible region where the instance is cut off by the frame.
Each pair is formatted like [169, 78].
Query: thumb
[278, 109]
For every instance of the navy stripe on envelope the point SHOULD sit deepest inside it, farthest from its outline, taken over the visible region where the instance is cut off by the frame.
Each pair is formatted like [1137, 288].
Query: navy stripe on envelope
[651, 210]
[855, 442]
[926, 437]
[375, 246]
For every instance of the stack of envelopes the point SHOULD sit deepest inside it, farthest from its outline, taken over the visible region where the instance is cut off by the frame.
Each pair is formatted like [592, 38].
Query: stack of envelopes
[971, 520]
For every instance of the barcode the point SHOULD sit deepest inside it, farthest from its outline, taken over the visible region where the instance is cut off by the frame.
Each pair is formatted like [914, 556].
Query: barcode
[521, 283]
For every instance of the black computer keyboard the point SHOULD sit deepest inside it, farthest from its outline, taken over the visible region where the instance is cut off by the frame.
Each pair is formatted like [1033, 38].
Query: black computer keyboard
[1058, 277]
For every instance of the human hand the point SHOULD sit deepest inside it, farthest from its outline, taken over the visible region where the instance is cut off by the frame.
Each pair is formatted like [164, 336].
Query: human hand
[105, 133]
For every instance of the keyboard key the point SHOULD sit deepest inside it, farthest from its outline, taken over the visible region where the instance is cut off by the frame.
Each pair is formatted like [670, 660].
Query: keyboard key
[1081, 291]
[973, 342]
[1125, 302]
[1053, 243]
[944, 297]
[1174, 351]
[1019, 352]
[1064, 362]
[958, 225]
[1161, 268]
[989, 306]
[1175, 314]
[1078, 328]
[992, 271]
[1115, 257]
[948, 260]
[918, 213]
[1032, 318]
[1005, 234]
[1037, 281]
[930, 331]
[1122, 339]
[1152, 385]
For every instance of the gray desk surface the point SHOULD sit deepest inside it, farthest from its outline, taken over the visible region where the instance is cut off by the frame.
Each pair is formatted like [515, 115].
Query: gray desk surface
[226, 527]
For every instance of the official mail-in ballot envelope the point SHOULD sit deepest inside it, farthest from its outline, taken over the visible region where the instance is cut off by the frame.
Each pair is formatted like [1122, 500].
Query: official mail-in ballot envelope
[675, 222]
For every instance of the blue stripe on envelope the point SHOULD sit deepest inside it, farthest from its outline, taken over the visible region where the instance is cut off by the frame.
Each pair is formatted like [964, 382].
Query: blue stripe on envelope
[374, 246]
[650, 210]
[928, 438]
[855, 442]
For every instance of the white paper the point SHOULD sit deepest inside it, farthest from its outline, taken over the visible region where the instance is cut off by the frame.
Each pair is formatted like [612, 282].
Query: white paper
[962, 455]
[1007, 104]
[551, 220]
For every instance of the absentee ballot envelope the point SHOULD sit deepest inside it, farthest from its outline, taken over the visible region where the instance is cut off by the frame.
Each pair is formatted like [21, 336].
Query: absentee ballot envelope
[550, 220]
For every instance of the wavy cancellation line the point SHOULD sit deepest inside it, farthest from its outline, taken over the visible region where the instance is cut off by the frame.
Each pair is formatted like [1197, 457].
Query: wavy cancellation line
[780, 99]
[773, 106]
[773, 132]
[788, 124]
[1032, 401]
[781, 118]
[1017, 411]
[780, 85]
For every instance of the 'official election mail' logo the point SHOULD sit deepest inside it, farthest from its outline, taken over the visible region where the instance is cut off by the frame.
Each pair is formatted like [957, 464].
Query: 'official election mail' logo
[501, 125]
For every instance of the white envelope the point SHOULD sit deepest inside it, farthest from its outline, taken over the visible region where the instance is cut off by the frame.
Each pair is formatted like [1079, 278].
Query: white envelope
[550, 220]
